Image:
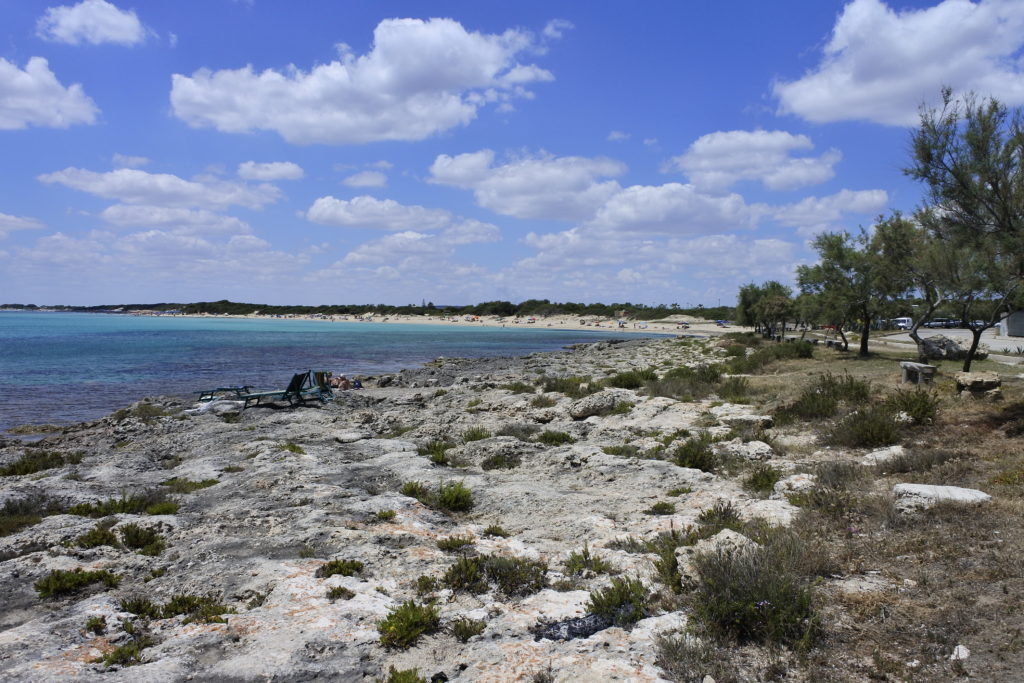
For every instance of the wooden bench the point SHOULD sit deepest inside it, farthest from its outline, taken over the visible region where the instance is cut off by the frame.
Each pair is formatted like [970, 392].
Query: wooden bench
[916, 373]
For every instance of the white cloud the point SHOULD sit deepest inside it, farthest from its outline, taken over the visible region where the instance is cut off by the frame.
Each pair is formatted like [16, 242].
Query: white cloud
[395, 248]
[126, 161]
[161, 189]
[673, 209]
[274, 170]
[90, 21]
[366, 179]
[176, 220]
[376, 214]
[9, 224]
[545, 187]
[383, 165]
[34, 97]
[557, 27]
[814, 214]
[880, 64]
[617, 136]
[719, 160]
[471, 232]
[420, 78]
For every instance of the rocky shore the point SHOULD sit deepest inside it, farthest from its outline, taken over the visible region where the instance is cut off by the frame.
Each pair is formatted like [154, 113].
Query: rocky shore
[275, 543]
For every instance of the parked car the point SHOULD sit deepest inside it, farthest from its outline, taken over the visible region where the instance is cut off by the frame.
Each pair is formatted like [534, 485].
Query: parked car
[977, 324]
[944, 323]
[902, 323]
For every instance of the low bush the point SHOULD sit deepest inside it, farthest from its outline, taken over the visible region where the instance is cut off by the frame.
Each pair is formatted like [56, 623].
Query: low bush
[343, 567]
[757, 594]
[697, 453]
[463, 629]
[128, 654]
[16, 515]
[33, 461]
[455, 542]
[809, 405]
[623, 603]
[385, 515]
[686, 658]
[583, 561]
[919, 405]
[404, 676]
[339, 593]
[454, 496]
[141, 607]
[436, 450]
[870, 427]
[523, 432]
[721, 515]
[734, 389]
[475, 434]
[417, 490]
[501, 461]
[916, 461]
[511, 576]
[552, 438]
[293, 448]
[96, 624]
[543, 402]
[405, 624]
[661, 508]
[197, 609]
[764, 356]
[98, 536]
[146, 541]
[631, 379]
[150, 502]
[834, 504]
[762, 479]
[496, 530]
[60, 582]
[573, 387]
[519, 388]
[626, 450]
[466, 575]
[838, 474]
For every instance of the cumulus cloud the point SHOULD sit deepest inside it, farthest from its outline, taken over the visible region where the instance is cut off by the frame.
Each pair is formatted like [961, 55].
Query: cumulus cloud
[418, 79]
[90, 21]
[544, 187]
[815, 214]
[719, 160]
[617, 136]
[673, 209]
[376, 214]
[366, 179]
[557, 27]
[34, 97]
[274, 170]
[471, 232]
[9, 224]
[161, 189]
[126, 161]
[880, 64]
[173, 220]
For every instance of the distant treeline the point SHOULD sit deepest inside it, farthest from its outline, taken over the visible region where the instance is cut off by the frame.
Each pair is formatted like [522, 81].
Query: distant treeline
[530, 307]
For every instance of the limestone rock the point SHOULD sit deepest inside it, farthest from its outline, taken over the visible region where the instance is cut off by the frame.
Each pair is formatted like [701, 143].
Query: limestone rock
[794, 483]
[912, 497]
[941, 347]
[750, 450]
[980, 385]
[600, 403]
[882, 455]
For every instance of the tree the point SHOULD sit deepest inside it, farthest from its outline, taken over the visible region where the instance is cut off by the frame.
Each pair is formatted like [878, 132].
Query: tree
[854, 281]
[970, 154]
[764, 307]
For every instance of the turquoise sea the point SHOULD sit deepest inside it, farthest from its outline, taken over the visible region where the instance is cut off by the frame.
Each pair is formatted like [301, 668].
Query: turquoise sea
[68, 367]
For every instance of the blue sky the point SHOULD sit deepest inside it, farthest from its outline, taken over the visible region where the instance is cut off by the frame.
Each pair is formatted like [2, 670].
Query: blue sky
[383, 152]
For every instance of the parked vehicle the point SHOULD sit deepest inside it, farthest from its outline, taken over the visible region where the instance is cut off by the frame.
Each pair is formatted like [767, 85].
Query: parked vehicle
[902, 323]
[943, 323]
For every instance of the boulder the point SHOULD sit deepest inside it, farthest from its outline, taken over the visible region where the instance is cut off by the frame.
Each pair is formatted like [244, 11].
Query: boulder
[601, 403]
[941, 347]
[882, 455]
[751, 450]
[794, 483]
[913, 497]
[980, 385]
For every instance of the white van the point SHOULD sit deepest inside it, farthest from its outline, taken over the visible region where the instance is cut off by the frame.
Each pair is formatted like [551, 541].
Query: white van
[902, 323]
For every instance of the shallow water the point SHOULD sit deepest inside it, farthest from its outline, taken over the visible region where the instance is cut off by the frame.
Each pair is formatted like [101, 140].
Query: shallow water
[68, 367]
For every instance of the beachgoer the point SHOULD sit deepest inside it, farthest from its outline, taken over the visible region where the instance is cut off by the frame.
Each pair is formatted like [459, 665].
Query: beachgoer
[357, 384]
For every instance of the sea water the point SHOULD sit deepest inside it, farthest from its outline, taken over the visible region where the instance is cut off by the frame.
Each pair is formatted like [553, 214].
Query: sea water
[57, 368]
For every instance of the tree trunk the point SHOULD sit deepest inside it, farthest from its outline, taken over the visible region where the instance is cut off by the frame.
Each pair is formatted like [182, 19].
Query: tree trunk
[864, 333]
[975, 341]
[846, 343]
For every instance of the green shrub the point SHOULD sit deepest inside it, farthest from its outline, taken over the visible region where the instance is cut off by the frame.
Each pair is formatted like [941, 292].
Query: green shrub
[626, 450]
[436, 450]
[463, 629]
[686, 658]
[721, 515]
[343, 567]
[141, 607]
[842, 387]
[869, 427]
[404, 676]
[466, 575]
[684, 383]
[837, 474]
[99, 535]
[809, 405]
[339, 593]
[661, 508]
[762, 479]
[757, 594]
[543, 402]
[734, 389]
[128, 654]
[385, 515]
[417, 490]
[455, 542]
[583, 561]
[501, 461]
[916, 461]
[60, 582]
[832, 503]
[293, 448]
[33, 461]
[552, 438]
[767, 355]
[682, 491]
[146, 541]
[514, 576]
[573, 387]
[96, 624]
[920, 405]
[631, 379]
[495, 530]
[697, 453]
[519, 388]
[167, 507]
[404, 625]
[475, 434]
[623, 603]
[150, 502]
[198, 609]
[454, 496]
[16, 515]
[425, 585]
